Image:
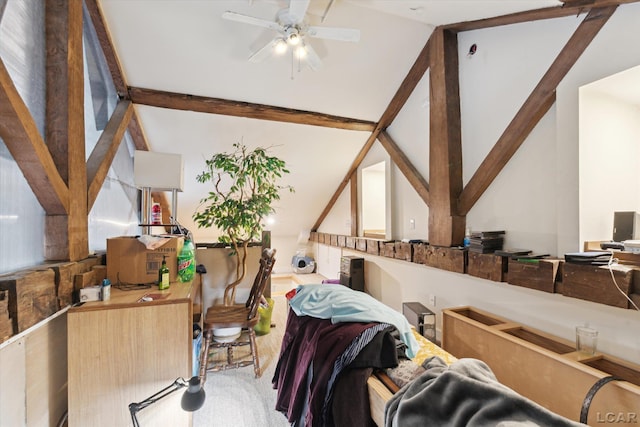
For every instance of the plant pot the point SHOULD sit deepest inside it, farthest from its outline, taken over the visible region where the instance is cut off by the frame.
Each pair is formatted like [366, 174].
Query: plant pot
[226, 334]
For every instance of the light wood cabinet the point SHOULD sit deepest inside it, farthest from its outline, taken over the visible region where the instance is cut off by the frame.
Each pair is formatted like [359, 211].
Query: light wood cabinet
[124, 350]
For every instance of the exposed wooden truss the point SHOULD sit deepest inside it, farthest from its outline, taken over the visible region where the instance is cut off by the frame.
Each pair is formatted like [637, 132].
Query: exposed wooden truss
[56, 170]
[21, 136]
[203, 104]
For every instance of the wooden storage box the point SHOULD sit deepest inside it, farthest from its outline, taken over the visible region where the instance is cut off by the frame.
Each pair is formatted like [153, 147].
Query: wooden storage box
[404, 251]
[6, 325]
[594, 283]
[487, 266]
[333, 239]
[388, 249]
[373, 246]
[65, 273]
[32, 297]
[342, 241]
[540, 275]
[361, 244]
[446, 258]
[350, 242]
[419, 253]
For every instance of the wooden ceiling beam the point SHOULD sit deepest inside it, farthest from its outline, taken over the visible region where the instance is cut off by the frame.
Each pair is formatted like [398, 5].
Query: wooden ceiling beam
[23, 140]
[203, 104]
[533, 109]
[117, 74]
[415, 74]
[569, 8]
[106, 148]
[406, 167]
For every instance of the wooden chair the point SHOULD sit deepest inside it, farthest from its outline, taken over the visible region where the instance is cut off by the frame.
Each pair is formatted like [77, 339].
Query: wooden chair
[244, 316]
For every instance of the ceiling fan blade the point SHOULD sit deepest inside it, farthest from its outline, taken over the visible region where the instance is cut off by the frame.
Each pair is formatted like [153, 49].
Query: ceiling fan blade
[341, 34]
[297, 10]
[312, 58]
[264, 51]
[245, 19]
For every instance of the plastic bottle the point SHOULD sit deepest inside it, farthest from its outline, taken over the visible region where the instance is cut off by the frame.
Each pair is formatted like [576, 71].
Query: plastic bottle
[156, 214]
[467, 237]
[163, 275]
[106, 289]
[186, 262]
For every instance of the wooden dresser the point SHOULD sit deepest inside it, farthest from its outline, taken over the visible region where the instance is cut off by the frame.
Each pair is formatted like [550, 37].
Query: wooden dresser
[124, 350]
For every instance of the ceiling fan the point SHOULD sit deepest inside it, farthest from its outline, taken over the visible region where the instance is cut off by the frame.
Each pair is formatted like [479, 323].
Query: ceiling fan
[292, 33]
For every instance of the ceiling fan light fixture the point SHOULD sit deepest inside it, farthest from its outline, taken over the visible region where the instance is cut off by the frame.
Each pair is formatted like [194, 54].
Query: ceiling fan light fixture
[280, 47]
[301, 52]
[293, 36]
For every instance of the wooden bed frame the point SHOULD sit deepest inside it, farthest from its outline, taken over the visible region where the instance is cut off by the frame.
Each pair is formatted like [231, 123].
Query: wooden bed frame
[381, 389]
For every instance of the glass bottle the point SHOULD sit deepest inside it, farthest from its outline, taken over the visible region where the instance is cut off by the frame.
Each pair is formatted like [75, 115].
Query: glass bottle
[163, 275]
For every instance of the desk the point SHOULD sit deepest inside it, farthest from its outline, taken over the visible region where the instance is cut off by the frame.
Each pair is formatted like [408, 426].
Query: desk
[122, 351]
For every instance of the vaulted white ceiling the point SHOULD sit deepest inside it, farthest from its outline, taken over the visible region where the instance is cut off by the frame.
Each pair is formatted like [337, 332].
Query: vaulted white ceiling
[184, 46]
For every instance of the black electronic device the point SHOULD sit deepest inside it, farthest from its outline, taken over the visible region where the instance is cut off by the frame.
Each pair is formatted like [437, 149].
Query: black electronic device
[626, 226]
[352, 272]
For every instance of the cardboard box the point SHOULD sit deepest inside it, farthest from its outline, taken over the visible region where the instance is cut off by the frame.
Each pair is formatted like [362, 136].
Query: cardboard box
[130, 262]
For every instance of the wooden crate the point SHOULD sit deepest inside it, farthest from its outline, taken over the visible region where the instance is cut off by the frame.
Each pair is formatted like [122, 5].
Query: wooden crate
[594, 283]
[446, 258]
[540, 275]
[350, 242]
[404, 251]
[32, 297]
[6, 325]
[65, 279]
[388, 249]
[487, 266]
[100, 272]
[419, 252]
[342, 241]
[373, 246]
[333, 239]
[361, 244]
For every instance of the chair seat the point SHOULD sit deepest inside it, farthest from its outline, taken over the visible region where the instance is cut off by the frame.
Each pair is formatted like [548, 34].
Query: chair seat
[229, 317]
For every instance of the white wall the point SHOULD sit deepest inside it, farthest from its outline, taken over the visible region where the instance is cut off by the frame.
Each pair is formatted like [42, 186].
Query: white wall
[534, 198]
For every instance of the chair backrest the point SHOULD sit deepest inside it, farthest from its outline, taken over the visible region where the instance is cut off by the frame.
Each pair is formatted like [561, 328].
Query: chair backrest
[267, 260]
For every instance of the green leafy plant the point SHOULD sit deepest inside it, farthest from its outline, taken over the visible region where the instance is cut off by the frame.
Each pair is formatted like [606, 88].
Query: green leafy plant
[245, 186]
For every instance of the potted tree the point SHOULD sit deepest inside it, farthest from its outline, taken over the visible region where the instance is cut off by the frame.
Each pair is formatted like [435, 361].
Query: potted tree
[244, 186]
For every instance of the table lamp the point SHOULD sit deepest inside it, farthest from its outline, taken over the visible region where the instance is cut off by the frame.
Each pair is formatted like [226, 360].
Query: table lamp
[192, 399]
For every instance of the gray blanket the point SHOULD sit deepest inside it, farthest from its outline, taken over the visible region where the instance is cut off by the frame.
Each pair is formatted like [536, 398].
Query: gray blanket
[464, 394]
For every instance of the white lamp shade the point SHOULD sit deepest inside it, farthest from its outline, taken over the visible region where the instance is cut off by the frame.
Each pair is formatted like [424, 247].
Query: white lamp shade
[160, 171]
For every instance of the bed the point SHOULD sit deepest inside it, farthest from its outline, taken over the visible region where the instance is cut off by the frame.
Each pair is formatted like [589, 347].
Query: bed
[347, 359]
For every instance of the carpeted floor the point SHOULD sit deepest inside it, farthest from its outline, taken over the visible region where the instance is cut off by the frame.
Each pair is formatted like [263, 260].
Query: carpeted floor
[235, 398]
